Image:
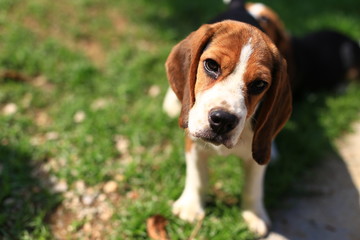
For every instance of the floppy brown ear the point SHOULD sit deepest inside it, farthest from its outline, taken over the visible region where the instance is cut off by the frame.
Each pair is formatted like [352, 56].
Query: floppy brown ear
[273, 114]
[181, 68]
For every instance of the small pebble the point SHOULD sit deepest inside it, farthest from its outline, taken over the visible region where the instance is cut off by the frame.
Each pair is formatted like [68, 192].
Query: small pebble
[61, 186]
[80, 186]
[79, 116]
[10, 109]
[88, 199]
[110, 187]
[154, 91]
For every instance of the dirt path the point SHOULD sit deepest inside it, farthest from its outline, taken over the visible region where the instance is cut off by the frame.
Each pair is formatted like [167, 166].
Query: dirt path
[331, 210]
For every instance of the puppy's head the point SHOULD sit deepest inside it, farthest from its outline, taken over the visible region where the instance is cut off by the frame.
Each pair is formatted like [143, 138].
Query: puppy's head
[224, 74]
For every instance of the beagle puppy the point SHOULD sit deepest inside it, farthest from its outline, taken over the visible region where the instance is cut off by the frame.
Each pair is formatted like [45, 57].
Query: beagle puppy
[235, 96]
[320, 60]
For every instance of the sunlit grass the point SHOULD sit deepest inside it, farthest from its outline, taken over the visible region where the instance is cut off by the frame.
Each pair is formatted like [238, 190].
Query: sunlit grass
[92, 72]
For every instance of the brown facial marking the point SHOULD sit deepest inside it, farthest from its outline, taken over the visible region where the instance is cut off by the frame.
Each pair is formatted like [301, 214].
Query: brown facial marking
[225, 104]
[224, 48]
[259, 67]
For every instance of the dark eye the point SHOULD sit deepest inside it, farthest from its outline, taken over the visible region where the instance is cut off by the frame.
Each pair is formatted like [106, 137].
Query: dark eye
[212, 68]
[257, 86]
[264, 19]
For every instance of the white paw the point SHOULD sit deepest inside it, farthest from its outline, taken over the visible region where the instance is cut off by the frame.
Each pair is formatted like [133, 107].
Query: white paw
[188, 209]
[256, 224]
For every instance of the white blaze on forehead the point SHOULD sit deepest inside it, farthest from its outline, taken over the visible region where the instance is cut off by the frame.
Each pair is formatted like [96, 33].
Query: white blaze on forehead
[256, 9]
[245, 54]
[226, 94]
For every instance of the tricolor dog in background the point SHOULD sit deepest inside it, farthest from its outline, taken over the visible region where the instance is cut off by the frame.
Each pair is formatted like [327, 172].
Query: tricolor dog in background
[320, 60]
[235, 96]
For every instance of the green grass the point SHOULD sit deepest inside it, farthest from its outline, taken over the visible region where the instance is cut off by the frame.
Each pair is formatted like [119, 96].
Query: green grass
[87, 52]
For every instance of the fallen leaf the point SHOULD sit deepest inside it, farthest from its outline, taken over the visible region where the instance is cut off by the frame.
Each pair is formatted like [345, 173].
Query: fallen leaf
[133, 195]
[156, 227]
[13, 75]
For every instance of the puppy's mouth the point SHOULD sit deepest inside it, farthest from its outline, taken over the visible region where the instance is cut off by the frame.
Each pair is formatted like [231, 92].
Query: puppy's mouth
[216, 139]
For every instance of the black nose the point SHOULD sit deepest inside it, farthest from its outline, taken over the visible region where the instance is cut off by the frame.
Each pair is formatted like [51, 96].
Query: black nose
[221, 121]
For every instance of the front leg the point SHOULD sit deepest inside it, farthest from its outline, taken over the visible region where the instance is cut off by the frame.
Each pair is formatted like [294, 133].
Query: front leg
[190, 205]
[254, 212]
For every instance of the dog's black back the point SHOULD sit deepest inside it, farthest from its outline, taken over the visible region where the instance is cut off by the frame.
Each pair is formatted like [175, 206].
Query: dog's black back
[323, 59]
[237, 12]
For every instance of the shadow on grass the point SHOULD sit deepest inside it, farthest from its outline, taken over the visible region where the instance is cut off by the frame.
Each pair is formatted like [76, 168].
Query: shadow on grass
[184, 17]
[25, 198]
[314, 177]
